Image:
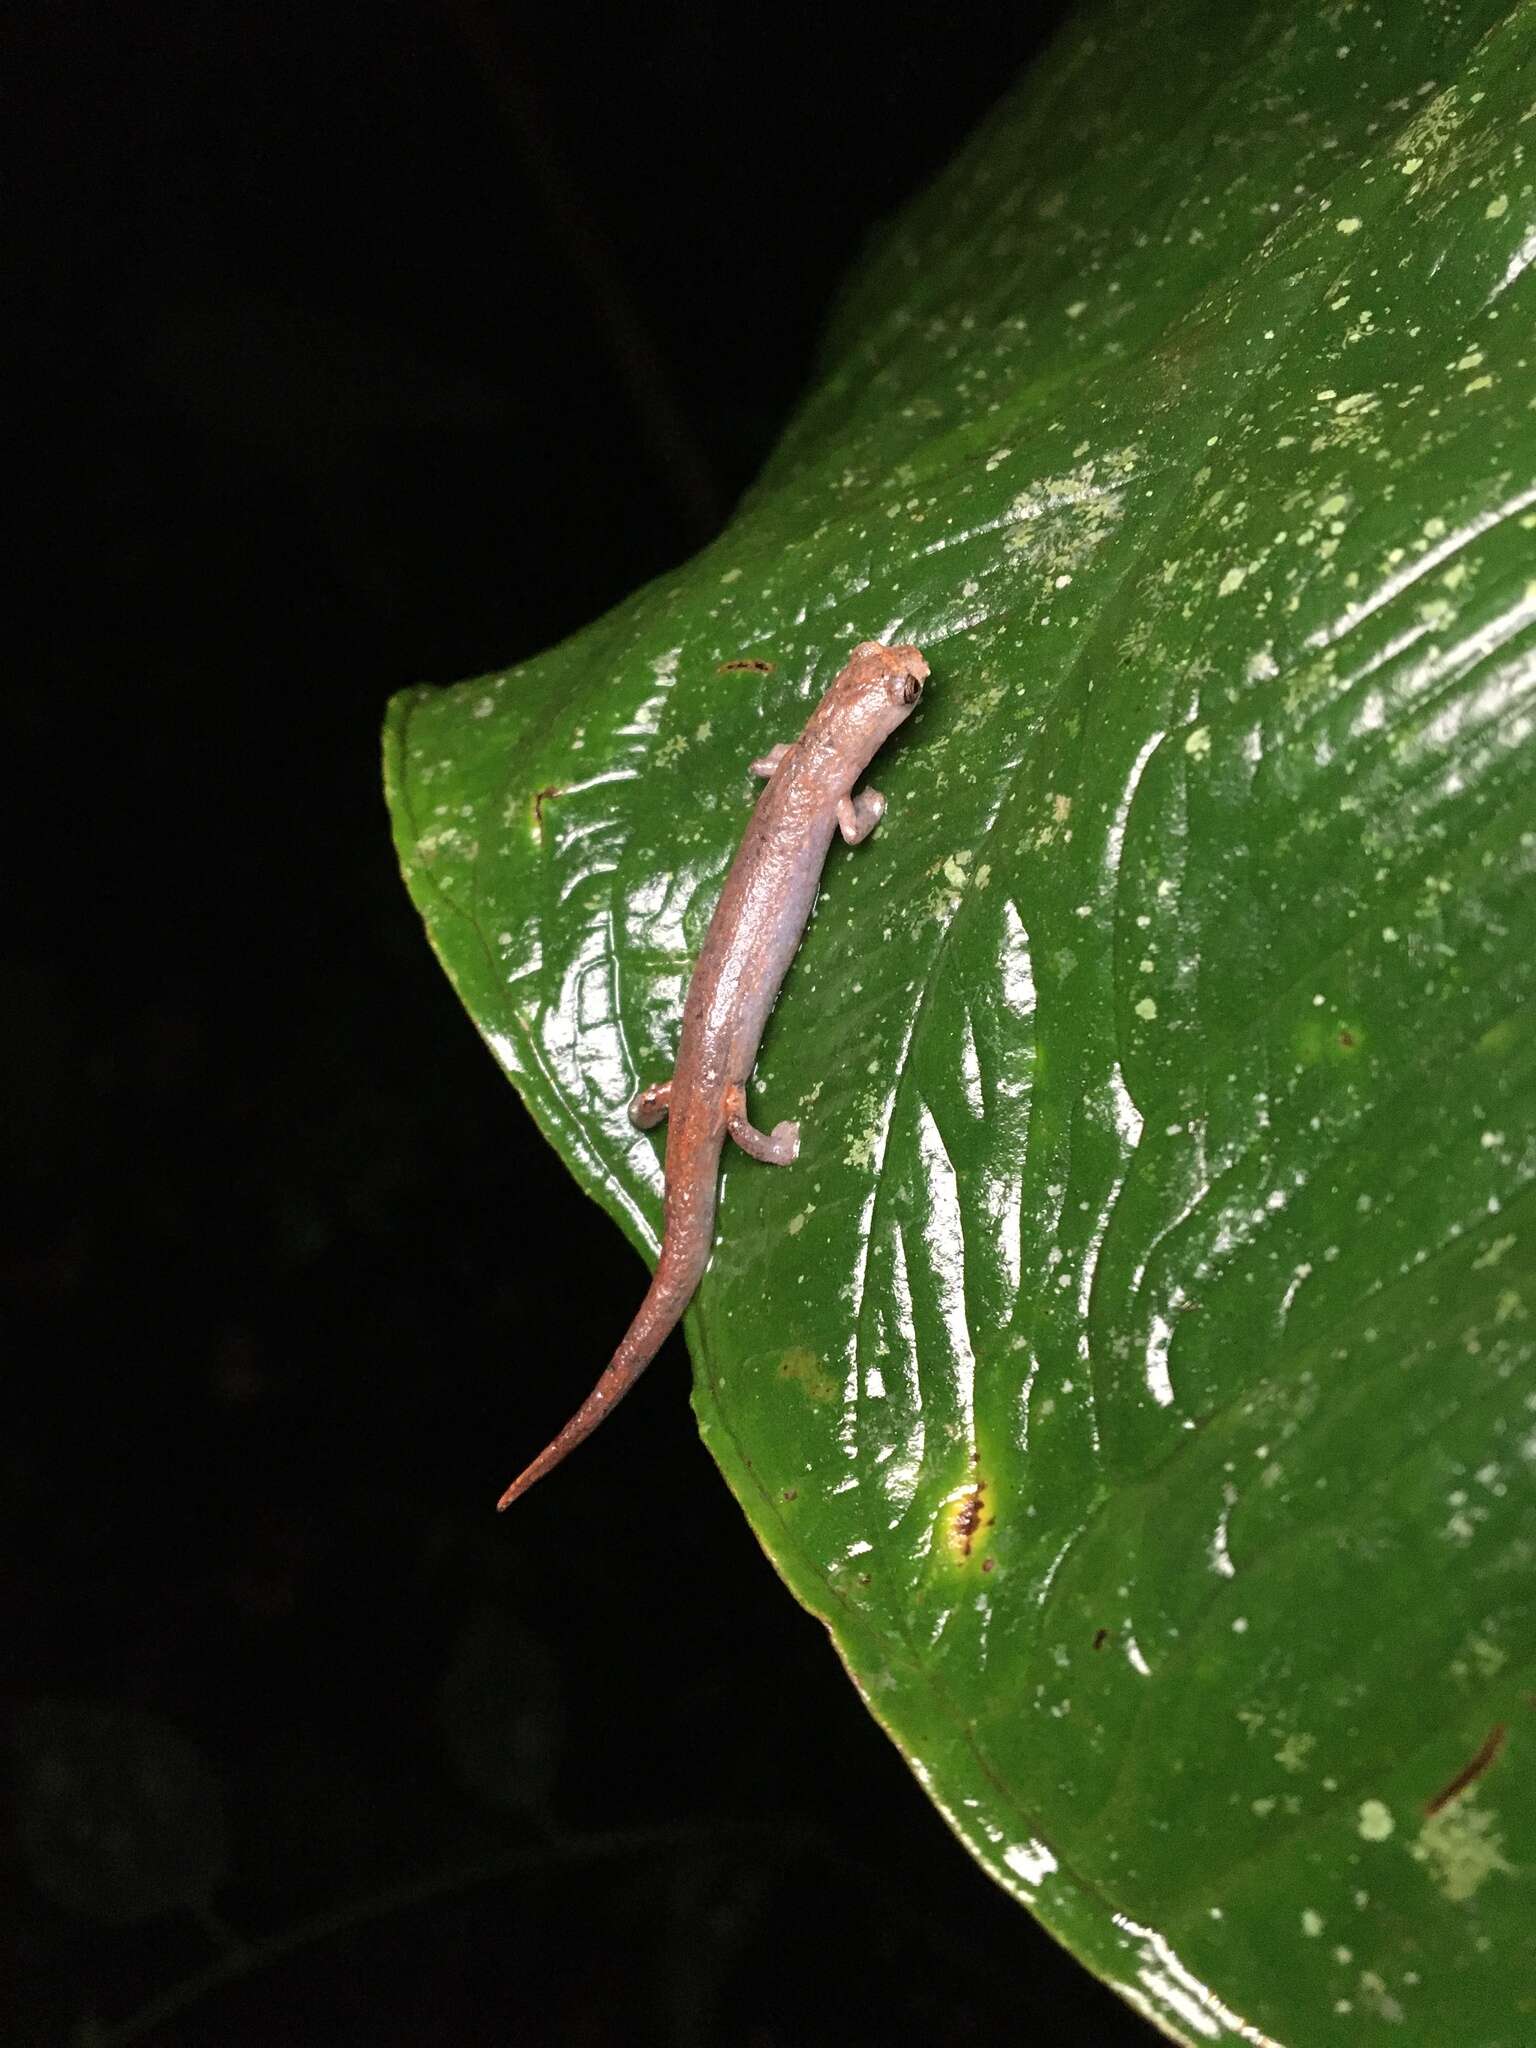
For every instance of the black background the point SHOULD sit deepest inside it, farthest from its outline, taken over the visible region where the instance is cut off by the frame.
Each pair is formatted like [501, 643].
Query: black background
[357, 347]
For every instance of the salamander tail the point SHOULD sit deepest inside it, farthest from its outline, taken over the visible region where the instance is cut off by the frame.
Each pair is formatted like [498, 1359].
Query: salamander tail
[658, 1314]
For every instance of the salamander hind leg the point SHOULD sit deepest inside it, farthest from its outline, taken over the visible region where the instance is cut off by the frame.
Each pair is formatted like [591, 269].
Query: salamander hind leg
[775, 1148]
[650, 1106]
[857, 816]
[765, 764]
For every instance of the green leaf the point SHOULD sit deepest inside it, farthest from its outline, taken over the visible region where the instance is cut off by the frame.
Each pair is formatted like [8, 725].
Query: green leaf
[1135, 1371]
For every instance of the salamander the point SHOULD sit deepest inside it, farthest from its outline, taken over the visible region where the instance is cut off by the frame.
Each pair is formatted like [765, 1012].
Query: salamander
[754, 934]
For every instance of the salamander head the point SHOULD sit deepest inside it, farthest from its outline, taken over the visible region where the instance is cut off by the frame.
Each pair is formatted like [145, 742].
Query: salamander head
[881, 684]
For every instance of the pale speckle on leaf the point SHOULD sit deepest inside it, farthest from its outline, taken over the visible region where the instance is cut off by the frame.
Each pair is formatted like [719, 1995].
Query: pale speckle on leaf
[1375, 1822]
[1461, 1847]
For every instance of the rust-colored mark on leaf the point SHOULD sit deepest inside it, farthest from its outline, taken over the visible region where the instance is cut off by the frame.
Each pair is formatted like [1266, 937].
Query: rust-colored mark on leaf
[790, 1493]
[966, 1519]
[1469, 1773]
[757, 668]
[988, 1564]
[540, 798]
[1346, 1038]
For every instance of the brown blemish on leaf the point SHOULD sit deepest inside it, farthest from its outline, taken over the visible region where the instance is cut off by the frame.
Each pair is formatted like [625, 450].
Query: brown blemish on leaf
[789, 1493]
[967, 1517]
[1346, 1038]
[1100, 1638]
[988, 1563]
[540, 798]
[803, 1365]
[1469, 1773]
[758, 668]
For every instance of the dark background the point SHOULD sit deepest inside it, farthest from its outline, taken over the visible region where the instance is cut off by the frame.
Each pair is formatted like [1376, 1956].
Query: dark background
[355, 348]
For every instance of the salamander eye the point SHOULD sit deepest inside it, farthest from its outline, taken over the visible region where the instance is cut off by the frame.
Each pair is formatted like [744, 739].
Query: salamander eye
[911, 690]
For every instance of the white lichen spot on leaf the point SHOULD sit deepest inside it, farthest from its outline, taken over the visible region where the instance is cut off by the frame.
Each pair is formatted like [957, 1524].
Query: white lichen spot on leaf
[865, 1143]
[1461, 1848]
[1375, 1821]
[1057, 525]
[1293, 1752]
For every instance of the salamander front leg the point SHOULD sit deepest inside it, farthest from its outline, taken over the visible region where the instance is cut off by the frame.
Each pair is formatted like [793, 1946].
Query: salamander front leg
[765, 764]
[777, 1148]
[857, 816]
[650, 1106]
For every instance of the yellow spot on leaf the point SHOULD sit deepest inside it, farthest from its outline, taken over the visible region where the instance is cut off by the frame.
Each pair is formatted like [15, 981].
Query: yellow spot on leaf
[803, 1365]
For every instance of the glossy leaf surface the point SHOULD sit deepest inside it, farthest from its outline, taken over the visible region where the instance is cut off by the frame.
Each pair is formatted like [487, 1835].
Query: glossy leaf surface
[1136, 1369]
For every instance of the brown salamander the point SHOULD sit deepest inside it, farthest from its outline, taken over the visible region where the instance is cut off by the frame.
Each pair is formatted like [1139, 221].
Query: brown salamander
[752, 937]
